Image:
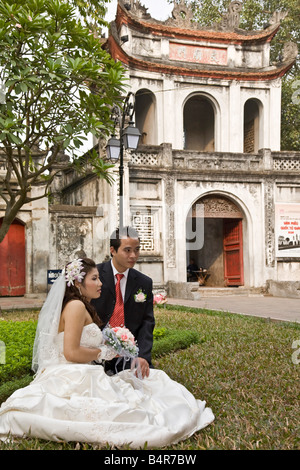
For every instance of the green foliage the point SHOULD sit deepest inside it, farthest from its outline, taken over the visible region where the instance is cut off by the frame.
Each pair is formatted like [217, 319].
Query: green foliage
[60, 83]
[18, 338]
[172, 340]
[10, 386]
[59, 87]
[158, 333]
[91, 11]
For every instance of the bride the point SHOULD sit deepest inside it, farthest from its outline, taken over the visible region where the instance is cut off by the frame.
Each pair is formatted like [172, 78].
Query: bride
[72, 399]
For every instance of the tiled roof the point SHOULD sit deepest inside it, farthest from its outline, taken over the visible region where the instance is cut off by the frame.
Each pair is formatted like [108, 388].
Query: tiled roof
[237, 36]
[196, 70]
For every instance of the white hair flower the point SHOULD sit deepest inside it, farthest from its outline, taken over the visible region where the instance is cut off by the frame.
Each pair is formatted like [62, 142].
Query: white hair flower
[74, 272]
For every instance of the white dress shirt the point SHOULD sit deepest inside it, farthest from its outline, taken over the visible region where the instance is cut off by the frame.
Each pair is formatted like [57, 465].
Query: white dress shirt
[123, 280]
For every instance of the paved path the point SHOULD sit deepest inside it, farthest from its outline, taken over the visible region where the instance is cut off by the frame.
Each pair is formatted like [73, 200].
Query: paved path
[275, 308]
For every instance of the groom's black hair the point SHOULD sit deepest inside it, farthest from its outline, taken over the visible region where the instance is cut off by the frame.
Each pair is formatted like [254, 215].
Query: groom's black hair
[119, 233]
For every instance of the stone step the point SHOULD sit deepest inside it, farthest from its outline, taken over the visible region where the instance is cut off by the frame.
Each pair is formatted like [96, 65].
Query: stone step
[198, 292]
[192, 291]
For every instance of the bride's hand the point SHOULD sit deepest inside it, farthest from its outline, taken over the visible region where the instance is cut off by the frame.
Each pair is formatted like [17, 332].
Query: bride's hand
[142, 367]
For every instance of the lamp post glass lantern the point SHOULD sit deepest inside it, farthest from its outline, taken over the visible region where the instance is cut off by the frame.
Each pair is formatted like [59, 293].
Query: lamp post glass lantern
[130, 137]
[113, 149]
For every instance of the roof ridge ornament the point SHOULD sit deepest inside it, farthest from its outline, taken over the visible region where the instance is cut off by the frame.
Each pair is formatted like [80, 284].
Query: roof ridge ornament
[290, 51]
[231, 19]
[136, 8]
[182, 15]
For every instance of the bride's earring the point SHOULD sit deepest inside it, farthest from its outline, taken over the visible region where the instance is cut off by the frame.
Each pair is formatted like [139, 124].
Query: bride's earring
[79, 290]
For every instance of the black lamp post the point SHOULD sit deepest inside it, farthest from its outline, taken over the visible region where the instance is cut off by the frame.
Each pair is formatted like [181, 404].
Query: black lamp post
[129, 138]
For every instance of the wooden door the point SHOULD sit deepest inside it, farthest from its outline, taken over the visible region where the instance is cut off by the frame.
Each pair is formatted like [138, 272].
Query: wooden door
[233, 252]
[12, 261]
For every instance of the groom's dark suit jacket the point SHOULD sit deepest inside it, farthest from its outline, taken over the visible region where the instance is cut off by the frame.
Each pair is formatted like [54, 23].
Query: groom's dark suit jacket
[139, 317]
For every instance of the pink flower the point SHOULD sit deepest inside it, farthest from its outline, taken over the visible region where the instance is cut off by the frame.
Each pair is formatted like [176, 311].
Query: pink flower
[18, 25]
[140, 297]
[159, 299]
[124, 337]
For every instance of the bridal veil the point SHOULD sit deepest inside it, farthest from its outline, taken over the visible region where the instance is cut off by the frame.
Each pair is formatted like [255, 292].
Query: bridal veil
[44, 349]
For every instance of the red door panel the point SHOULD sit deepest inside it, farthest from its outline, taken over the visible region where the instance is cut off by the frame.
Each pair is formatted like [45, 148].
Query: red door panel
[12, 261]
[233, 252]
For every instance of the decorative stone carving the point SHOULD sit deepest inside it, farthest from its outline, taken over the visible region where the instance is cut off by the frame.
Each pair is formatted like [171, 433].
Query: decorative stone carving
[269, 223]
[230, 19]
[290, 51]
[147, 159]
[182, 15]
[170, 205]
[146, 47]
[277, 16]
[137, 9]
[217, 207]
[74, 236]
[286, 164]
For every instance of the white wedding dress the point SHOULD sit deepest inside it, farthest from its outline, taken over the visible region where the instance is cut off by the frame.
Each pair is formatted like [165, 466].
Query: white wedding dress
[79, 402]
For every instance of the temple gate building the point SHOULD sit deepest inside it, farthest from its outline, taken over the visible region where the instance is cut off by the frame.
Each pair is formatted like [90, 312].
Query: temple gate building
[208, 180]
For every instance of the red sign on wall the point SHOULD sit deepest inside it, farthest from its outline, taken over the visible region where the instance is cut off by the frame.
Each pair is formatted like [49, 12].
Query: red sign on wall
[198, 54]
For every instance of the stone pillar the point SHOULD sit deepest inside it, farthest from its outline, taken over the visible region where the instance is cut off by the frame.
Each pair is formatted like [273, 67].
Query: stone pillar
[267, 158]
[235, 121]
[169, 120]
[273, 124]
[40, 237]
[269, 222]
[170, 232]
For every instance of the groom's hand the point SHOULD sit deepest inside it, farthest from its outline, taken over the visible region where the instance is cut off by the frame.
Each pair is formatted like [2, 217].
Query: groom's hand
[142, 368]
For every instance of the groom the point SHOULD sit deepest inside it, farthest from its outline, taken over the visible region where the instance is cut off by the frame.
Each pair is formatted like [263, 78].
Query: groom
[136, 295]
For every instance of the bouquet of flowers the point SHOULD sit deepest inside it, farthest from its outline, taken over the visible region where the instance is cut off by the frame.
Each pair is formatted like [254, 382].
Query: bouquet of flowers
[121, 340]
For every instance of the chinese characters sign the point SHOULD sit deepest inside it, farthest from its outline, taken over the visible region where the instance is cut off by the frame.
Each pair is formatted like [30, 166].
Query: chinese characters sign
[287, 220]
[198, 54]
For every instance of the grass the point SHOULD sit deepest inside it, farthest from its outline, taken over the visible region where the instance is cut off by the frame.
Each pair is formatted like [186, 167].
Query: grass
[242, 366]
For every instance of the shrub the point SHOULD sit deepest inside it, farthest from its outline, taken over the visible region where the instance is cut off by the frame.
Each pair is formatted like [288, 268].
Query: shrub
[18, 338]
[172, 340]
[9, 387]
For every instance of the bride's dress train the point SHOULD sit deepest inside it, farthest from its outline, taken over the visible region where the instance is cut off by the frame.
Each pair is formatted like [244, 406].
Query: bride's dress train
[79, 402]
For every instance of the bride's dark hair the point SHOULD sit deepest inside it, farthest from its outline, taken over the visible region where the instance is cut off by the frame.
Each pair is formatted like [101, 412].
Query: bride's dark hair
[73, 293]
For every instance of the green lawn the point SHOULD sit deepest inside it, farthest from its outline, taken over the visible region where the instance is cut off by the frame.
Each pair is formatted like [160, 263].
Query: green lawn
[242, 366]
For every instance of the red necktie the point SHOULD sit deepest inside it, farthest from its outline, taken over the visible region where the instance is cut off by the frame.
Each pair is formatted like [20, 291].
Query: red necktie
[117, 318]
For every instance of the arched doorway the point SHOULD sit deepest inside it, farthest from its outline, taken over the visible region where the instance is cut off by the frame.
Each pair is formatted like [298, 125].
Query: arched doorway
[12, 261]
[145, 116]
[221, 253]
[199, 124]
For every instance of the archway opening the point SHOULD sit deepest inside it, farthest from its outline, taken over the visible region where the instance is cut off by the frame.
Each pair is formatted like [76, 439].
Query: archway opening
[221, 253]
[199, 124]
[251, 126]
[145, 116]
